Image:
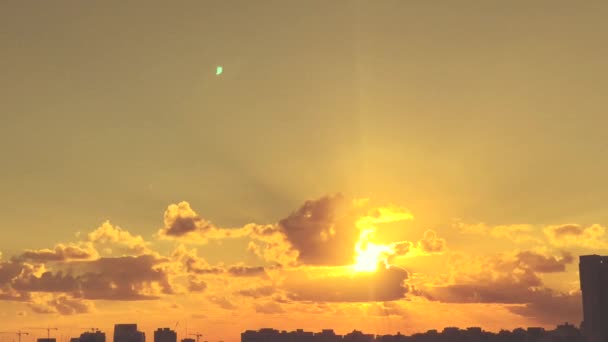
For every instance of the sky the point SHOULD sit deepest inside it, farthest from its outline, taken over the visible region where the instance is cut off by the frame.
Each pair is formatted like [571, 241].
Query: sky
[380, 165]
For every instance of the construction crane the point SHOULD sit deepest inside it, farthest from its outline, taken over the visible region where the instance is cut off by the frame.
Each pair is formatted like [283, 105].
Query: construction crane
[48, 331]
[198, 335]
[18, 333]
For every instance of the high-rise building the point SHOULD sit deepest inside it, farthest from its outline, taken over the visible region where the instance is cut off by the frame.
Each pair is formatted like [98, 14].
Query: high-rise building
[128, 333]
[165, 335]
[593, 270]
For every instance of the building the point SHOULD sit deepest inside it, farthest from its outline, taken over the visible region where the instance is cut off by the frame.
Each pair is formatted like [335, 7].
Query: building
[593, 270]
[165, 335]
[128, 333]
[94, 336]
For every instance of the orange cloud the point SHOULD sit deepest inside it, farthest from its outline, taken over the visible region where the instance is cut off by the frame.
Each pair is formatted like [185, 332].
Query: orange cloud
[341, 285]
[512, 278]
[574, 235]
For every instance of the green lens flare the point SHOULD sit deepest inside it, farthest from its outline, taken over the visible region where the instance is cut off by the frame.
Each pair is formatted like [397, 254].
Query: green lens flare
[219, 70]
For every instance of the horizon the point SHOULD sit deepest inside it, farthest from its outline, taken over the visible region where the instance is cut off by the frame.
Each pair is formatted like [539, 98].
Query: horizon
[387, 165]
[186, 335]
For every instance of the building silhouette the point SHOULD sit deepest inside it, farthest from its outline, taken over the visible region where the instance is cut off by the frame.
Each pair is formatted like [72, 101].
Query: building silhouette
[165, 335]
[593, 270]
[94, 336]
[562, 333]
[128, 333]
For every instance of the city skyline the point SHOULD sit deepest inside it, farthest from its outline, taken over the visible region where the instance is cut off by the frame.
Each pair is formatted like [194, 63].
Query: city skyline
[565, 332]
[219, 166]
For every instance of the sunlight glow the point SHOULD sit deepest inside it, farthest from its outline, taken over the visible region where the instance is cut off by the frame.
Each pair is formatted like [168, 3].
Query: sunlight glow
[369, 255]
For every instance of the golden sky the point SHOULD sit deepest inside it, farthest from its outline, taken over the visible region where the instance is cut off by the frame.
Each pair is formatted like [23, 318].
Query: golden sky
[380, 165]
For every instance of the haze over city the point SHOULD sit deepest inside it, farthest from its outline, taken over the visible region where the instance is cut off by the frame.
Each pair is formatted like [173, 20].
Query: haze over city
[221, 166]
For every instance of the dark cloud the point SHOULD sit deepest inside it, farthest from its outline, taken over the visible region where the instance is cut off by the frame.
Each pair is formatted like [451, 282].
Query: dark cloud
[324, 231]
[125, 278]
[544, 263]
[47, 282]
[122, 278]
[10, 270]
[513, 279]
[551, 308]
[181, 220]
[568, 229]
[60, 253]
[246, 271]
[386, 284]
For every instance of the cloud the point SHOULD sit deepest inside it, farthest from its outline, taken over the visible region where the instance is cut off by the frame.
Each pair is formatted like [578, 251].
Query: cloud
[325, 231]
[257, 292]
[321, 232]
[268, 308]
[121, 278]
[543, 263]
[430, 243]
[115, 239]
[196, 285]
[192, 262]
[125, 278]
[512, 278]
[270, 244]
[222, 302]
[574, 235]
[61, 252]
[47, 282]
[63, 305]
[181, 220]
[9, 272]
[386, 284]
[246, 271]
[552, 307]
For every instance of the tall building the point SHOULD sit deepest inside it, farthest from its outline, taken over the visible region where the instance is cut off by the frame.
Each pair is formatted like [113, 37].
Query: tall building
[128, 333]
[593, 270]
[165, 335]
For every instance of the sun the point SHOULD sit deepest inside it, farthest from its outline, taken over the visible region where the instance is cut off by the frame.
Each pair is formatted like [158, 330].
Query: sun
[368, 254]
